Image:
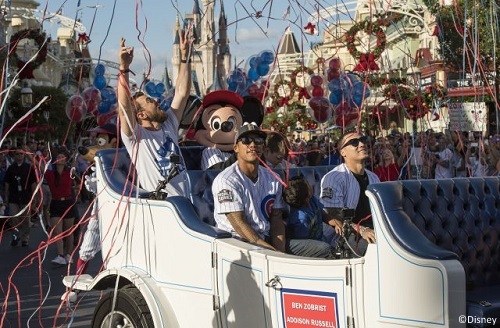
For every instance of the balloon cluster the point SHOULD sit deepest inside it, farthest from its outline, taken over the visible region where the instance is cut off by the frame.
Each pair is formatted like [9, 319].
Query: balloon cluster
[347, 93]
[251, 83]
[98, 100]
[157, 91]
[321, 110]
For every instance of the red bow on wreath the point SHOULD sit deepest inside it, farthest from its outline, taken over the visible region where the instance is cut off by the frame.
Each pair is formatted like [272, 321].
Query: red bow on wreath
[311, 27]
[283, 101]
[304, 94]
[366, 63]
[83, 38]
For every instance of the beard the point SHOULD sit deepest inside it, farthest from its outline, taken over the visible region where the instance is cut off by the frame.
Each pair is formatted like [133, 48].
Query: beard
[158, 116]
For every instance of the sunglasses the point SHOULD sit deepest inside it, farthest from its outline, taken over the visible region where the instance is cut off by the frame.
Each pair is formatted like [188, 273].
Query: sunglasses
[355, 142]
[248, 140]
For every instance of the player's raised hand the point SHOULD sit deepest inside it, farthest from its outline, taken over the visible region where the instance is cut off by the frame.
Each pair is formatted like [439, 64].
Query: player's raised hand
[125, 55]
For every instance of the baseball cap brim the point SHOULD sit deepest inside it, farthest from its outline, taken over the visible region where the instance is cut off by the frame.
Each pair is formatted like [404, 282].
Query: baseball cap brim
[223, 96]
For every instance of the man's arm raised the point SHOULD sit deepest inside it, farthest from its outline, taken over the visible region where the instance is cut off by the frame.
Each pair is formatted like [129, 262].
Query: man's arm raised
[126, 110]
[183, 83]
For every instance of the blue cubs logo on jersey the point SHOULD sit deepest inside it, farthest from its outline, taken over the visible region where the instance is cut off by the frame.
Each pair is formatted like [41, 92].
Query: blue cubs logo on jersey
[163, 161]
[327, 193]
[267, 205]
[225, 196]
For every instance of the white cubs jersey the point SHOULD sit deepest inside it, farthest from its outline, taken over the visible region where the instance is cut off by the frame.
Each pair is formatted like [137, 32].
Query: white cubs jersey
[234, 192]
[212, 156]
[339, 187]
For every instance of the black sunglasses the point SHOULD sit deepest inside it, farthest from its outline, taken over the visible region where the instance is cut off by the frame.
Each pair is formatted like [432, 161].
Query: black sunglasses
[248, 140]
[355, 142]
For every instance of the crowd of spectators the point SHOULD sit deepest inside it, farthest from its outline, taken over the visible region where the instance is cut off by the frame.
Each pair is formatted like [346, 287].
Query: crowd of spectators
[401, 156]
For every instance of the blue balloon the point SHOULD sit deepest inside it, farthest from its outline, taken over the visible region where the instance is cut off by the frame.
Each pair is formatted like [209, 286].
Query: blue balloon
[232, 86]
[99, 69]
[360, 92]
[252, 75]
[109, 95]
[104, 107]
[160, 88]
[335, 99]
[263, 69]
[100, 82]
[267, 57]
[150, 88]
[254, 61]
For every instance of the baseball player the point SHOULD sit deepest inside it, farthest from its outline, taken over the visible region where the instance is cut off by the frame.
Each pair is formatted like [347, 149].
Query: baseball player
[247, 198]
[343, 189]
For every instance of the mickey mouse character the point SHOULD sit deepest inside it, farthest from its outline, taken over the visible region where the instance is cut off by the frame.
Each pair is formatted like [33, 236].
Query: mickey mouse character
[223, 113]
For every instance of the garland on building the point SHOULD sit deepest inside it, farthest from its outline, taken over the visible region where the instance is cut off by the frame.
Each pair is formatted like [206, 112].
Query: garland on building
[367, 60]
[40, 40]
[413, 102]
[296, 118]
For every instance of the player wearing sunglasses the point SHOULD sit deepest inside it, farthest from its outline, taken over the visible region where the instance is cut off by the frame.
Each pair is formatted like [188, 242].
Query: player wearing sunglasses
[344, 187]
[247, 197]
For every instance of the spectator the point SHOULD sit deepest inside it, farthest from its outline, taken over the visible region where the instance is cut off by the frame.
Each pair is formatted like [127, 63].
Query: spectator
[149, 133]
[344, 188]
[276, 152]
[457, 161]
[388, 169]
[314, 155]
[243, 189]
[20, 184]
[304, 230]
[475, 160]
[443, 169]
[62, 213]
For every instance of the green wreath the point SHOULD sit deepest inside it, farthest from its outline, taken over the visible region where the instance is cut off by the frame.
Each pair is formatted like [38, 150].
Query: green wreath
[369, 27]
[39, 38]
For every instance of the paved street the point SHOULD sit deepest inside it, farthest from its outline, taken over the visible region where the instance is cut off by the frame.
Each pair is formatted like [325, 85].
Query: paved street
[34, 286]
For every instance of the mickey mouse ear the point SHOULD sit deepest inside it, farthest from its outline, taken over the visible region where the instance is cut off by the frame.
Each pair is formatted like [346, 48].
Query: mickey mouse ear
[252, 110]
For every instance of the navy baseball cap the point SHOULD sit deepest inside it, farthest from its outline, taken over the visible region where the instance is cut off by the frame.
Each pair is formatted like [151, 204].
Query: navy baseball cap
[249, 128]
[108, 128]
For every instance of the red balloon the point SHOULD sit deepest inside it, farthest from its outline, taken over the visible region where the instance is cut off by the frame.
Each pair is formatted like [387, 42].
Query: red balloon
[318, 92]
[332, 74]
[345, 115]
[253, 90]
[316, 80]
[103, 119]
[92, 98]
[334, 64]
[320, 109]
[76, 108]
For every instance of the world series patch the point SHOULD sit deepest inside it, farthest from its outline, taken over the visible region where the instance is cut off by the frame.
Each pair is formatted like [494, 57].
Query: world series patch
[327, 193]
[225, 195]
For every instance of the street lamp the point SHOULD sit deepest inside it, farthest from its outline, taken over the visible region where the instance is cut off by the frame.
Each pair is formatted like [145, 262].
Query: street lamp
[26, 96]
[415, 75]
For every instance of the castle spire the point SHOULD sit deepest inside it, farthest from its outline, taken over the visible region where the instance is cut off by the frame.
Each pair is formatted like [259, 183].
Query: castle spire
[176, 29]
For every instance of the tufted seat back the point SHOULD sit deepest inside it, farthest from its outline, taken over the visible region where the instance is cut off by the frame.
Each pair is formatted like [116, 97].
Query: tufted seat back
[450, 219]
[461, 216]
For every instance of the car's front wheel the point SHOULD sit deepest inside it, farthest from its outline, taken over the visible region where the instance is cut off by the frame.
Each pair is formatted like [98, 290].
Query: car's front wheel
[129, 311]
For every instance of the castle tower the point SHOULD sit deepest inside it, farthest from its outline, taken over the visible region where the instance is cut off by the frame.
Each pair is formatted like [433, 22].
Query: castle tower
[211, 51]
[224, 55]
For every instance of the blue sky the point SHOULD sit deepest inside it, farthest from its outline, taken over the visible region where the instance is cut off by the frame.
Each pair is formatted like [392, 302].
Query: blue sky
[248, 34]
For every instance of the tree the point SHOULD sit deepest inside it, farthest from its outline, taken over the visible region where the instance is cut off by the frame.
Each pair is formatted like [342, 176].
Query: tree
[468, 39]
[58, 123]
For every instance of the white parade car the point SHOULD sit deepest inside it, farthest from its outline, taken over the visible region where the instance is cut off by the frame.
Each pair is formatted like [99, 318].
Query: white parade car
[165, 267]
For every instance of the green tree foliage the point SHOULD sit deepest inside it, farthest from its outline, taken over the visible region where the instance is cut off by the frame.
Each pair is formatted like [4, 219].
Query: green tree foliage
[56, 103]
[472, 21]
